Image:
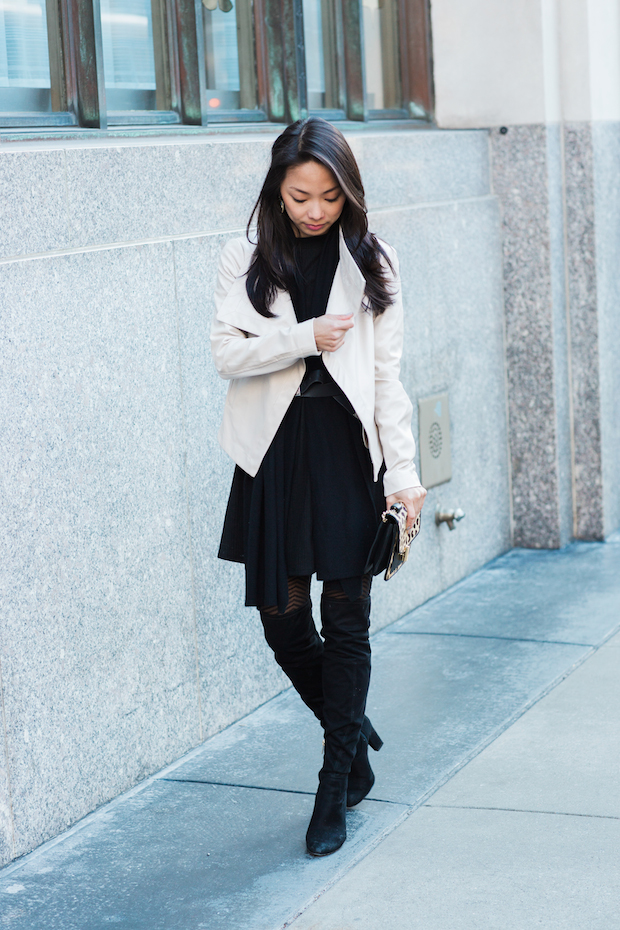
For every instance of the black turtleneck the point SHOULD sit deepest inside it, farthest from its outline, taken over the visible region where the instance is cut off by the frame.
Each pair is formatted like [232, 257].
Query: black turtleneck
[317, 259]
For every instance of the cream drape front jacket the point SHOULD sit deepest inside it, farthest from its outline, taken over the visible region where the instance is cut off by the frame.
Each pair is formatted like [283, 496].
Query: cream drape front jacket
[263, 358]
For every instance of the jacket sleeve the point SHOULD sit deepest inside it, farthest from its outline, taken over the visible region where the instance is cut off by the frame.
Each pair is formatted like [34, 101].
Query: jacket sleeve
[238, 354]
[393, 408]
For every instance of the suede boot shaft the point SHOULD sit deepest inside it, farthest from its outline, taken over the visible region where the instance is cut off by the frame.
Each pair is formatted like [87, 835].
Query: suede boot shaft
[346, 676]
[298, 650]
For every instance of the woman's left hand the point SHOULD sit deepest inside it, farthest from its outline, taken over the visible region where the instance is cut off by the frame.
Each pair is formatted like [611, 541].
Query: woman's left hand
[412, 498]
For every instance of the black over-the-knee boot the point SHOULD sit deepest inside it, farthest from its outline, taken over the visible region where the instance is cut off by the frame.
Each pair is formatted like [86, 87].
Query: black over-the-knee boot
[298, 650]
[346, 676]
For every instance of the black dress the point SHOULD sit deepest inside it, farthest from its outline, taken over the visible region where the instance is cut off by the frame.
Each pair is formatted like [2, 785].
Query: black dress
[313, 505]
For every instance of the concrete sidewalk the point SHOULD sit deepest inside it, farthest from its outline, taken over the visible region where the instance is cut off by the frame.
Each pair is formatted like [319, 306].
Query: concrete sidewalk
[497, 802]
[527, 835]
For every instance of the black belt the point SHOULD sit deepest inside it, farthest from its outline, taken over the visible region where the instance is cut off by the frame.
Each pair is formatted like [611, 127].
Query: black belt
[318, 382]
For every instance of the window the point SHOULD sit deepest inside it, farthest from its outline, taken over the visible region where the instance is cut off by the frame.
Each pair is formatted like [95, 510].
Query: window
[230, 64]
[322, 42]
[382, 55]
[95, 63]
[128, 56]
[24, 60]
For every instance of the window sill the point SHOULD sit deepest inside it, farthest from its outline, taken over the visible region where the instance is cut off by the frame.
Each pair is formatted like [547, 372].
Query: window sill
[59, 133]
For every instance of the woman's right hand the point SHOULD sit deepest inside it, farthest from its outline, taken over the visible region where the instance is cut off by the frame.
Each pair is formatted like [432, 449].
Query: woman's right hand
[330, 330]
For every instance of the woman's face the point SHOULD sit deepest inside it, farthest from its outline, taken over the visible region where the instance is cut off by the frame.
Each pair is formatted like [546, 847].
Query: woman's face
[312, 197]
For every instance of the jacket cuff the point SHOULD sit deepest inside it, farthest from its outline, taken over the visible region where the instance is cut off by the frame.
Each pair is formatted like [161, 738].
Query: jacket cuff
[307, 345]
[398, 480]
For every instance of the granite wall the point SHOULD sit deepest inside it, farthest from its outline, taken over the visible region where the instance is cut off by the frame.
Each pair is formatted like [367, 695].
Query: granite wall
[606, 160]
[535, 374]
[583, 315]
[124, 641]
[558, 189]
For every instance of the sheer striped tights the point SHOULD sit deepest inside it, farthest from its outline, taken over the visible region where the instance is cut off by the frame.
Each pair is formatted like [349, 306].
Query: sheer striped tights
[330, 674]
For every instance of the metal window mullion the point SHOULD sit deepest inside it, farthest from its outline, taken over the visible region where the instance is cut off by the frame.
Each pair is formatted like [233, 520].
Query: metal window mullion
[342, 77]
[355, 77]
[162, 55]
[192, 77]
[270, 59]
[390, 55]
[261, 46]
[281, 59]
[248, 90]
[296, 83]
[332, 55]
[58, 72]
[416, 58]
[87, 54]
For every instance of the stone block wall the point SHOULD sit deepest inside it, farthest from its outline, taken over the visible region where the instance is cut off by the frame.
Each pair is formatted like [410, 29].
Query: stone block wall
[558, 190]
[124, 642]
[606, 183]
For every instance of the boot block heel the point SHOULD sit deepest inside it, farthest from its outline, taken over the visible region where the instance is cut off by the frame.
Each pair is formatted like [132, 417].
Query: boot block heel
[374, 740]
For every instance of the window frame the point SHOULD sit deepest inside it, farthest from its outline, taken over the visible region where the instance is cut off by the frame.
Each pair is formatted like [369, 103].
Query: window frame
[415, 69]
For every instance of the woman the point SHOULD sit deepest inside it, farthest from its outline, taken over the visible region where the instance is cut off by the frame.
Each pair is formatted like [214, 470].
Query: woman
[308, 329]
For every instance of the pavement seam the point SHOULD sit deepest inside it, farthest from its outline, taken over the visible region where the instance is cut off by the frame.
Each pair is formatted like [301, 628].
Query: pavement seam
[229, 784]
[519, 810]
[507, 639]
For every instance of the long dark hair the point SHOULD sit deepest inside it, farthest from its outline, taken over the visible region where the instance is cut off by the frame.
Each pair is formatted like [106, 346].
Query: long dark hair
[273, 263]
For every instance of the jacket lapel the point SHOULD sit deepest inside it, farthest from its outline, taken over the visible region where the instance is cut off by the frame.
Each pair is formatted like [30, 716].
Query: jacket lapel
[348, 288]
[345, 297]
[237, 310]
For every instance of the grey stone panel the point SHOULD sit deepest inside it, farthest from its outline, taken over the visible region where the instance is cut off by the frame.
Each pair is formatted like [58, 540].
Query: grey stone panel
[584, 335]
[33, 202]
[606, 144]
[98, 655]
[106, 472]
[561, 366]
[568, 596]
[279, 746]
[452, 291]
[6, 815]
[422, 166]
[119, 194]
[185, 857]
[237, 670]
[520, 180]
